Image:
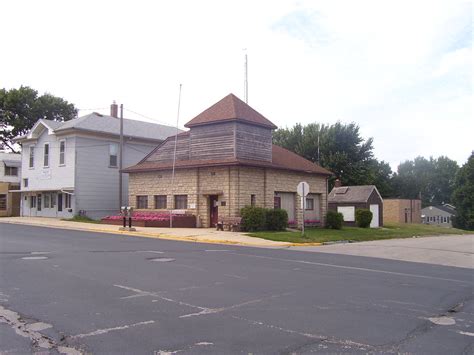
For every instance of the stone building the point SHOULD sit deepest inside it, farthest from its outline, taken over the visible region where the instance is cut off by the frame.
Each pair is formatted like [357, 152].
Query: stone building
[227, 161]
[398, 210]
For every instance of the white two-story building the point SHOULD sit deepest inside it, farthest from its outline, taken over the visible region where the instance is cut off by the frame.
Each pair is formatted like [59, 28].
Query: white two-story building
[70, 168]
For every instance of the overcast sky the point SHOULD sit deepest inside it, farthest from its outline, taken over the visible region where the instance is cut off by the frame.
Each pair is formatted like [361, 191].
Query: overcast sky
[400, 69]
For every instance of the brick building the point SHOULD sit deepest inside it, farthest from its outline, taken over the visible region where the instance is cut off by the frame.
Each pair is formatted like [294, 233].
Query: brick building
[402, 210]
[227, 161]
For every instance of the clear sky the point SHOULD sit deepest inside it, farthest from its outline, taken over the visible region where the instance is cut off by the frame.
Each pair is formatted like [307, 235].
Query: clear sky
[400, 69]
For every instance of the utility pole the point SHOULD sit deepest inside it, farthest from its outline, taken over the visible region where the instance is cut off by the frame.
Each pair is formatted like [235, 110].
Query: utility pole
[121, 157]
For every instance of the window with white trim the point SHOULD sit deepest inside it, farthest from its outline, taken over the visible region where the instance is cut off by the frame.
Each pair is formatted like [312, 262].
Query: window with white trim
[62, 152]
[67, 201]
[25, 182]
[11, 171]
[32, 156]
[113, 155]
[46, 155]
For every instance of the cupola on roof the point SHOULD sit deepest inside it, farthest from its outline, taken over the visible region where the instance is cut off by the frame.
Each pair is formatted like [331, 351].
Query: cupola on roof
[230, 108]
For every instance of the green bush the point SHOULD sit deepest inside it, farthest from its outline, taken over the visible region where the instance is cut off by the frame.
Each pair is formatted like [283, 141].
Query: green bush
[276, 219]
[363, 218]
[334, 220]
[253, 219]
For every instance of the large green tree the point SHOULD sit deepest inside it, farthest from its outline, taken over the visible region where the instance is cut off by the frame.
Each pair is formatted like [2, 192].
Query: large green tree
[463, 196]
[432, 179]
[339, 148]
[21, 108]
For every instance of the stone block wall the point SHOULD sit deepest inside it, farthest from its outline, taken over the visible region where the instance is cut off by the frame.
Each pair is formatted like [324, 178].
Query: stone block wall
[234, 186]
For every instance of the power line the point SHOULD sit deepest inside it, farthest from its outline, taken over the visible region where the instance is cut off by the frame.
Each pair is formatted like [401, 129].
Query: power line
[147, 117]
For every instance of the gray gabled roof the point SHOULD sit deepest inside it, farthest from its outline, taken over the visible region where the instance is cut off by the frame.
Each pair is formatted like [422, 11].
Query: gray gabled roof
[351, 194]
[51, 124]
[107, 124]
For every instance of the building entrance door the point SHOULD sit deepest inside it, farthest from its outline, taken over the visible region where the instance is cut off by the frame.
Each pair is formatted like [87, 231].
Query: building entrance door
[38, 206]
[214, 210]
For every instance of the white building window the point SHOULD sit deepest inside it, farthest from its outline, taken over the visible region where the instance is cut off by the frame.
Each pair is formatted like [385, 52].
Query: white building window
[348, 212]
[62, 152]
[25, 182]
[46, 155]
[67, 202]
[32, 156]
[46, 200]
[113, 155]
[11, 171]
[3, 202]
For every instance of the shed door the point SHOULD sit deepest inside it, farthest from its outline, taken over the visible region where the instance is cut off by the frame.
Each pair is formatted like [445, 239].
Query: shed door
[375, 216]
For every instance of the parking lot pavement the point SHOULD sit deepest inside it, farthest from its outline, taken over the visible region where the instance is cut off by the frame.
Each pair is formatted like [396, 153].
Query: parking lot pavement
[448, 250]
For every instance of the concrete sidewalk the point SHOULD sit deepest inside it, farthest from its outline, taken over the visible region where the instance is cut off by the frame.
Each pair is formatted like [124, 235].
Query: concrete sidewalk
[447, 250]
[202, 235]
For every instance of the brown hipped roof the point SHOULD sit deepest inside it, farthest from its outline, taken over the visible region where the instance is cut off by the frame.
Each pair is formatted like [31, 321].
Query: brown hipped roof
[230, 108]
[282, 159]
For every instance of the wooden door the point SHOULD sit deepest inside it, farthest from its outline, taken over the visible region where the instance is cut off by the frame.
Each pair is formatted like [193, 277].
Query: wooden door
[213, 210]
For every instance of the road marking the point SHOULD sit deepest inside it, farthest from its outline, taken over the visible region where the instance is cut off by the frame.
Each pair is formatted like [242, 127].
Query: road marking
[107, 330]
[171, 352]
[216, 250]
[236, 276]
[223, 309]
[34, 257]
[443, 320]
[466, 333]
[354, 268]
[323, 338]
[155, 294]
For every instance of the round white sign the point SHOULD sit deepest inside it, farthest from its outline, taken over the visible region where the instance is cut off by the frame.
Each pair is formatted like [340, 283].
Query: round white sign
[303, 188]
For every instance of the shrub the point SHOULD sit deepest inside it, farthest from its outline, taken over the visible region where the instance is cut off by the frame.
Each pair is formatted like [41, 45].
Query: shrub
[276, 219]
[253, 219]
[334, 220]
[363, 218]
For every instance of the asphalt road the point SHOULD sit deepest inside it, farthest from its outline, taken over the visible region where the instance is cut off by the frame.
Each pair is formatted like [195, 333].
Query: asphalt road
[64, 291]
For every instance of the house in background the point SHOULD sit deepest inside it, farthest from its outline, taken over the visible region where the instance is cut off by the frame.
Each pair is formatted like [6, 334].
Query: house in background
[72, 167]
[438, 215]
[348, 199]
[227, 161]
[398, 210]
[10, 175]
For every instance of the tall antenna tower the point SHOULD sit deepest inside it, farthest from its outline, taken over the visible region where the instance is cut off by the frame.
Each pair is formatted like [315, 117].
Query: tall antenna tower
[246, 80]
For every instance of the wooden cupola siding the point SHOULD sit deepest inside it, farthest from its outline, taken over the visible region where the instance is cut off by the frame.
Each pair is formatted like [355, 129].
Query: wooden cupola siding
[231, 140]
[218, 141]
[253, 142]
[212, 141]
[165, 151]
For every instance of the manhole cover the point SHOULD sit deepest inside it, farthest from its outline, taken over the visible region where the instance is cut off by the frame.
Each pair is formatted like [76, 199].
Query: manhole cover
[161, 259]
[34, 257]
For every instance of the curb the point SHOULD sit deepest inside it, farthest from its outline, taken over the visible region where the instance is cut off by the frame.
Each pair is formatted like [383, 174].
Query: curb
[153, 236]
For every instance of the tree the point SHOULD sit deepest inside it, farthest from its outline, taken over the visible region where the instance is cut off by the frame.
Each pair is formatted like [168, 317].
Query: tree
[463, 196]
[433, 179]
[341, 150]
[21, 108]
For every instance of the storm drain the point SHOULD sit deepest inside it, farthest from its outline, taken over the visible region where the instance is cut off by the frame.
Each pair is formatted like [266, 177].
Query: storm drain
[35, 257]
[161, 259]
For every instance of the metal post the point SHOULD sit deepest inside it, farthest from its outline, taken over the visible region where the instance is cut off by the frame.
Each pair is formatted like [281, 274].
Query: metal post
[174, 156]
[121, 157]
[124, 221]
[303, 206]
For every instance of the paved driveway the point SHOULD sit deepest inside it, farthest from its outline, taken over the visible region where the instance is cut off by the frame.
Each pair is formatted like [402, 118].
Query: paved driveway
[449, 250]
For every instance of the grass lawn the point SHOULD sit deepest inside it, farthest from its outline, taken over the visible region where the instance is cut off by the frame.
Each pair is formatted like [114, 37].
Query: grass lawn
[389, 231]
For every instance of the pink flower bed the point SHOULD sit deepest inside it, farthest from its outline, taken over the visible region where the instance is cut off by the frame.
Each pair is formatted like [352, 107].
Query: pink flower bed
[146, 216]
